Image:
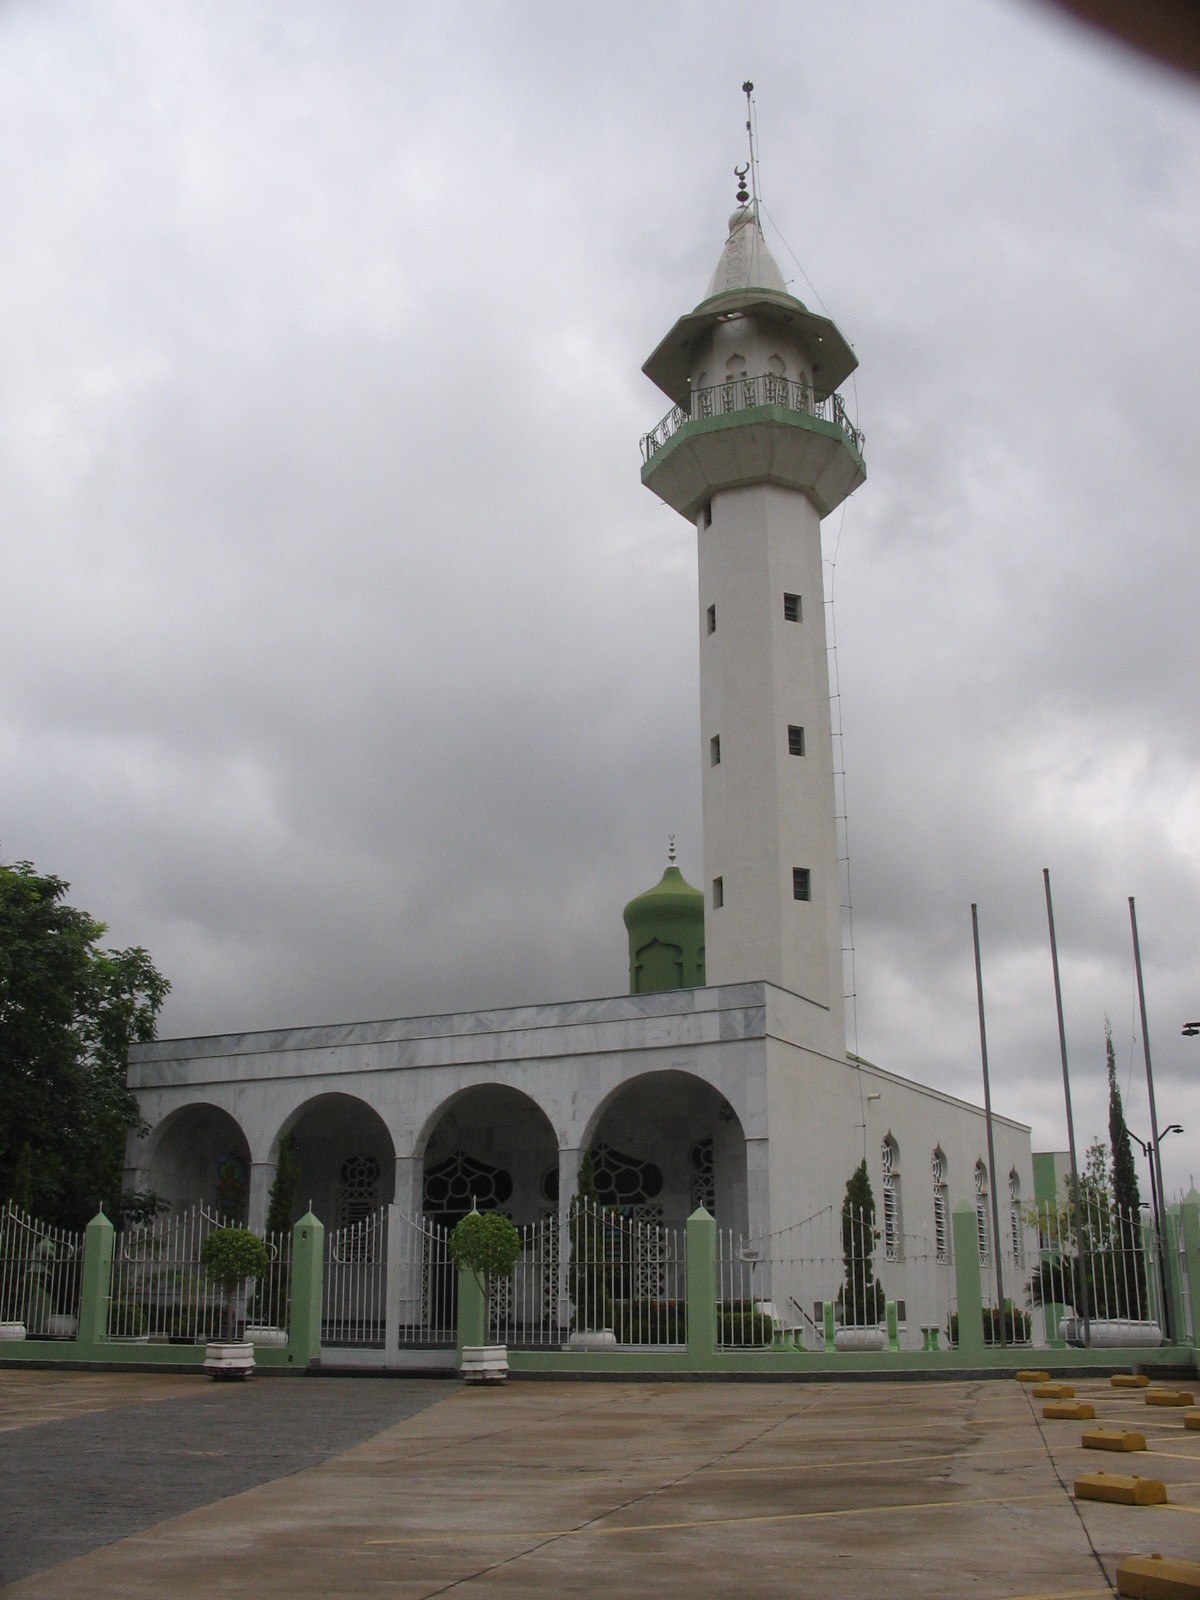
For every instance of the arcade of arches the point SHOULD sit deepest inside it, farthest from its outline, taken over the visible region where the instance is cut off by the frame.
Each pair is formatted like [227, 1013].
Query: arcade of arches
[661, 1145]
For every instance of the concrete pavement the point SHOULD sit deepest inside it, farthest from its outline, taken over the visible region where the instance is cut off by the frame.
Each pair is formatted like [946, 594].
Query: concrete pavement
[704, 1490]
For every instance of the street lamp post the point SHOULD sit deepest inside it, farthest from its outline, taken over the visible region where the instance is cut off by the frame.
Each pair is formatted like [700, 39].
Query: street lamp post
[1149, 1148]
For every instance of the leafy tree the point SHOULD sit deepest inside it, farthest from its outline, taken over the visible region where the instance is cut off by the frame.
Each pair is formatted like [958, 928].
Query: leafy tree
[281, 1202]
[229, 1256]
[487, 1244]
[69, 1011]
[861, 1297]
[1127, 1214]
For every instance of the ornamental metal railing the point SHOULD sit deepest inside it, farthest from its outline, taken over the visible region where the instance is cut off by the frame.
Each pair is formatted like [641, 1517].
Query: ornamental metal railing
[626, 1276]
[40, 1274]
[1102, 1260]
[524, 1309]
[773, 1289]
[158, 1288]
[747, 394]
[388, 1274]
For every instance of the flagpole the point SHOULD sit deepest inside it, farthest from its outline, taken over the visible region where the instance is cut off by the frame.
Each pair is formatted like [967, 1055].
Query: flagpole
[987, 1113]
[1155, 1158]
[1080, 1235]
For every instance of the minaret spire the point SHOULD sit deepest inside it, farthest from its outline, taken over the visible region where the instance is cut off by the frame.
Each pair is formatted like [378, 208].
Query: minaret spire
[752, 142]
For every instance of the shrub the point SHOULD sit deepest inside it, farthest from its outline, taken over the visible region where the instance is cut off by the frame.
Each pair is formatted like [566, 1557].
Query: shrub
[1017, 1326]
[743, 1327]
[487, 1244]
[229, 1256]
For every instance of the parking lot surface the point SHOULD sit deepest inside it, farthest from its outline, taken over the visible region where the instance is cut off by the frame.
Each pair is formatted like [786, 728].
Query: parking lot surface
[153, 1486]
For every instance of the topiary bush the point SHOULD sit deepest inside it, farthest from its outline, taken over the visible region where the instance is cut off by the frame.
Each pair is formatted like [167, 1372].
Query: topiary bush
[229, 1256]
[487, 1244]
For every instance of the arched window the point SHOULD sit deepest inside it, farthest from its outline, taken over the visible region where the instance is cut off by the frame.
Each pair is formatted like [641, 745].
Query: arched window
[1014, 1218]
[981, 1214]
[893, 1225]
[941, 1206]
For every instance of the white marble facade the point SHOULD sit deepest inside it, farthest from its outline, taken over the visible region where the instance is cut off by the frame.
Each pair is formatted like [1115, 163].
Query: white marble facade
[512, 1097]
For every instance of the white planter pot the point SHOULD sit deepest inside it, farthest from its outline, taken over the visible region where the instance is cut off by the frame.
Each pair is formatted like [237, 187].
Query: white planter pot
[860, 1339]
[1113, 1333]
[484, 1363]
[62, 1327]
[592, 1339]
[12, 1330]
[229, 1361]
[274, 1337]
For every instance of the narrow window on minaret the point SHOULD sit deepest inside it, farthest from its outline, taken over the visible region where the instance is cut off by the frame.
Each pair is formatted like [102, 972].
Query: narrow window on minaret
[795, 740]
[800, 883]
[712, 619]
[792, 608]
[718, 893]
[714, 750]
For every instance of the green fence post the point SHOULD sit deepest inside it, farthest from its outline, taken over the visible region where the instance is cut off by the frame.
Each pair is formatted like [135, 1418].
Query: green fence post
[472, 1310]
[701, 1244]
[893, 1325]
[829, 1322]
[95, 1288]
[966, 1278]
[1189, 1239]
[304, 1311]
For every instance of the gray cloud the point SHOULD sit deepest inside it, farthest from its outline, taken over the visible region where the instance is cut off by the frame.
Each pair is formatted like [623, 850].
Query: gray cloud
[349, 668]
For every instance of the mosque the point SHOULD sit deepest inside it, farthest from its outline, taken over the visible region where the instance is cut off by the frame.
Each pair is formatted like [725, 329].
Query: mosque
[722, 1078]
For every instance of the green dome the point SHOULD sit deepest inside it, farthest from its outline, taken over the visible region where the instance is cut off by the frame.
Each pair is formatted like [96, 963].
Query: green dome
[666, 936]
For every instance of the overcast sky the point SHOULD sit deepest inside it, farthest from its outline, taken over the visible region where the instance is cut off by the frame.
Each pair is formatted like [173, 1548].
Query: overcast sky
[349, 668]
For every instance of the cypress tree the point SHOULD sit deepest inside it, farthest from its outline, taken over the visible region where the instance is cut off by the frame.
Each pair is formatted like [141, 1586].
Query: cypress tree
[1130, 1278]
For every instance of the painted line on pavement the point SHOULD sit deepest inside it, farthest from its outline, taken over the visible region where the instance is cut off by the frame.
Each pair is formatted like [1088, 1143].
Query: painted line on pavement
[717, 1522]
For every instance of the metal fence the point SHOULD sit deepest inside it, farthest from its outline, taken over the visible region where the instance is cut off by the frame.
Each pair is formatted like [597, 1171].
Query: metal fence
[742, 394]
[626, 1274]
[40, 1274]
[158, 1289]
[1100, 1261]
[524, 1309]
[389, 1274]
[1187, 1331]
[774, 1288]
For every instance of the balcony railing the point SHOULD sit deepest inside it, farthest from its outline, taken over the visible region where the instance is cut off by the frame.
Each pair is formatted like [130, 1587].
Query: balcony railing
[743, 394]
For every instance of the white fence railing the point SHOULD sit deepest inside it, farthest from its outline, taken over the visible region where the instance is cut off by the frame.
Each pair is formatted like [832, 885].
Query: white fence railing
[40, 1271]
[525, 1309]
[1103, 1261]
[626, 1273]
[774, 1288]
[158, 1288]
[388, 1281]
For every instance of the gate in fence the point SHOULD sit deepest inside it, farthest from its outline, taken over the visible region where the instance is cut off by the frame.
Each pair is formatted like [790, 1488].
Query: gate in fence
[389, 1292]
[39, 1275]
[626, 1273]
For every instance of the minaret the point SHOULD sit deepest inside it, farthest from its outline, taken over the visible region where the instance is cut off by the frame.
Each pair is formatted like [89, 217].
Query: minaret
[757, 449]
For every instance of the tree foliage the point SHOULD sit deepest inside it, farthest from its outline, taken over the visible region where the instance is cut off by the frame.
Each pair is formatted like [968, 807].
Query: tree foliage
[229, 1256]
[487, 1244]
[861, 1297]
[69, 1011]
[1098, 1257]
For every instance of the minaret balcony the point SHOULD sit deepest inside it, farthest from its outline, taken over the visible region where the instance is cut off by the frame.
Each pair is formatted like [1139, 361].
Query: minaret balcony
[766, 429]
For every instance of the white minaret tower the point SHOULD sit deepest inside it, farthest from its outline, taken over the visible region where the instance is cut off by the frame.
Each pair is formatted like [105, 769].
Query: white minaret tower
[757, 450]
